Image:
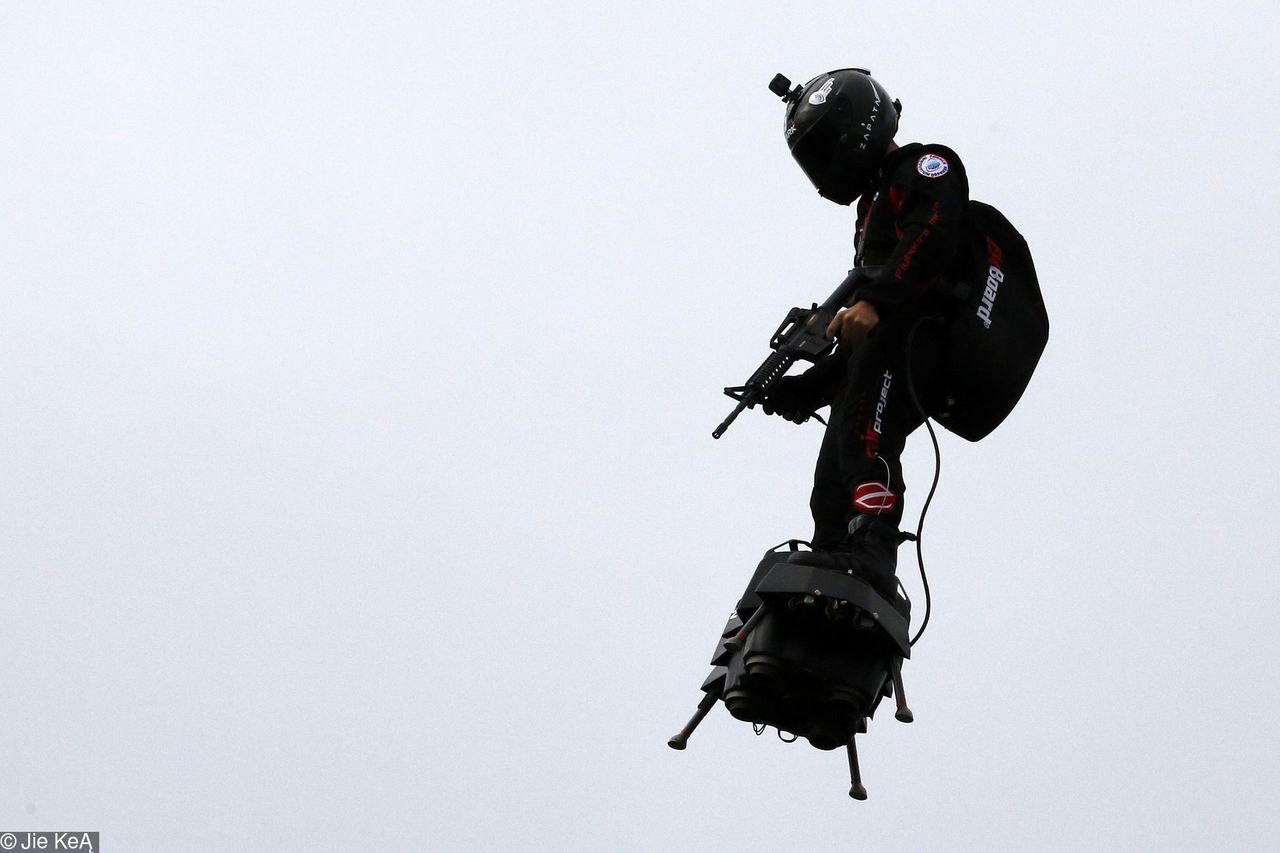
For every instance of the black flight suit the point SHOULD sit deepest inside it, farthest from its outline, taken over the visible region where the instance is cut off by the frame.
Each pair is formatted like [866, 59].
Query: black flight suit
[911, 227]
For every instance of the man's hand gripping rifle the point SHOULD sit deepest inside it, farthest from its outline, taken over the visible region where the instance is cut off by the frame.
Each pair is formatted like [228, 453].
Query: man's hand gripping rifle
[802, 336]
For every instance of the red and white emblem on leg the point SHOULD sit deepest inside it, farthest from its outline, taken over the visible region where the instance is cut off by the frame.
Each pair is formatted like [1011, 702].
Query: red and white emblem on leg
[874, 498]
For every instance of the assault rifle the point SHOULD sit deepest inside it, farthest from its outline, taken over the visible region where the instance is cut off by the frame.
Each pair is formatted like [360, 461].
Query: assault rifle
[802, 336]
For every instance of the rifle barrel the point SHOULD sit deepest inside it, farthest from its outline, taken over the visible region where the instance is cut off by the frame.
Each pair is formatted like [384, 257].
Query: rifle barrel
[719, 431]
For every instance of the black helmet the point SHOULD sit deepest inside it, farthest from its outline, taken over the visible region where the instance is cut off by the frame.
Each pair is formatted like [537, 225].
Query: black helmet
[838, 126]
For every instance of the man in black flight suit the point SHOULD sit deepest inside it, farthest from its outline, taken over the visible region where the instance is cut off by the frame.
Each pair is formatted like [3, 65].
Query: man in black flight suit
[911, 203]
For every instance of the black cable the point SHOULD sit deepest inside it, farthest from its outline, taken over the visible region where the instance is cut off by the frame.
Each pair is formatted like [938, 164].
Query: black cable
[937, 472]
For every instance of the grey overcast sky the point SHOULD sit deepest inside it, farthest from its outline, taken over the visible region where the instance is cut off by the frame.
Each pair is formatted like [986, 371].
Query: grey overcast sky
[357, 368]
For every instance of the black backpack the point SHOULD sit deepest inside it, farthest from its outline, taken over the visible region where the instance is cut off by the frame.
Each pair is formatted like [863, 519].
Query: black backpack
[998, 330]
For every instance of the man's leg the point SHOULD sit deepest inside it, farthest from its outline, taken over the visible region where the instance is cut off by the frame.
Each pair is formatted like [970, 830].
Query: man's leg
[881, 415]
[861, 495]
[829, 501]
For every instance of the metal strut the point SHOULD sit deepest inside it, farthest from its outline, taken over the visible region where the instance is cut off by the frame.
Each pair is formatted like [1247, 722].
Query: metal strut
[681, 738]
[735, 643]
[903, 714]
[856, 788]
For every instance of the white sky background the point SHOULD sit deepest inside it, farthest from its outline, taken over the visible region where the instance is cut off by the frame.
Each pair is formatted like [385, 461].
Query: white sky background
[358, 364]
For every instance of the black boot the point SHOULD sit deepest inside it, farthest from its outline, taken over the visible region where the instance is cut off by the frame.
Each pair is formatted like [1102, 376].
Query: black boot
[868, 552]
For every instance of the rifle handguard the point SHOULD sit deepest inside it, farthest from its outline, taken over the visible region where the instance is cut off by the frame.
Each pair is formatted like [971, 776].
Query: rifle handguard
[801, 336]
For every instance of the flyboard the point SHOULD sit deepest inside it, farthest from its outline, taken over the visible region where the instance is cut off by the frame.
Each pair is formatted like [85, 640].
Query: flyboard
[810, 651]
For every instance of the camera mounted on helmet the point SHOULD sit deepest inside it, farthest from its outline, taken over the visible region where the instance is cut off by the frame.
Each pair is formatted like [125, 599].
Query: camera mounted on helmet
[838, 127]
[781, 87]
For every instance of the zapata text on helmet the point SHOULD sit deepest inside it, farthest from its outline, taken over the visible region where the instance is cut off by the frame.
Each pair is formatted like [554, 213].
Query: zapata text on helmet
[871, 122]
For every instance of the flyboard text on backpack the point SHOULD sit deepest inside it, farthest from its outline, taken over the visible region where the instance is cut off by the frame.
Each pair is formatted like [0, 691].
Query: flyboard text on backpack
[997, 333]
[995, 275]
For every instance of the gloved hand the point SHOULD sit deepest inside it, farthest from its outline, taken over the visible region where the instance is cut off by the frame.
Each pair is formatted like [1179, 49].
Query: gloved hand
[795, 397]
[852, 325]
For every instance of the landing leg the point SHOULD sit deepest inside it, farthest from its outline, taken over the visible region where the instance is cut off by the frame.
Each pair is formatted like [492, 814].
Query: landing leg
[704, 707]
[856, 789]
[734, 643]
[903, 713]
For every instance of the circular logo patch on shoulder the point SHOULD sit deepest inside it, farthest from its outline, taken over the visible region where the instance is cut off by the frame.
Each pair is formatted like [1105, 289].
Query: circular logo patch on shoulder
[932, 166]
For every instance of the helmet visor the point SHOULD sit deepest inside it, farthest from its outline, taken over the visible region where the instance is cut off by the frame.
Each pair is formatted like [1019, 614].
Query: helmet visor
[826, 158]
